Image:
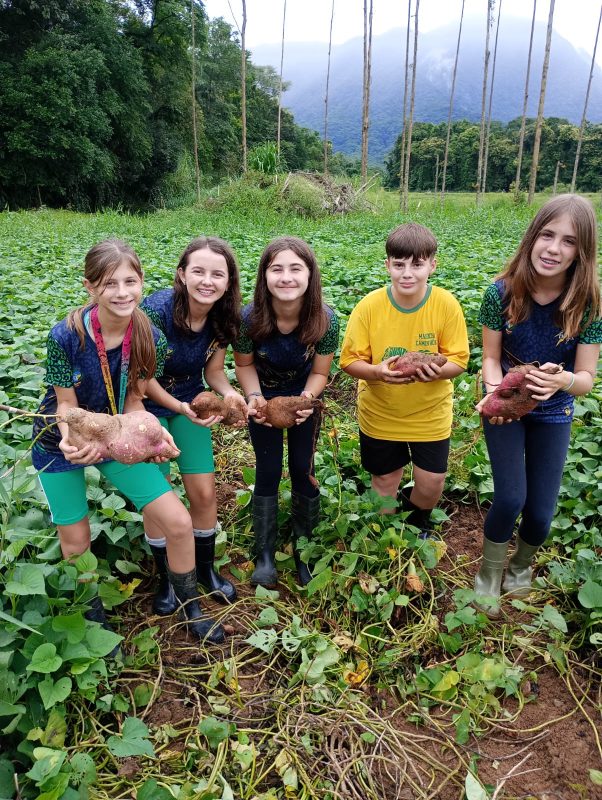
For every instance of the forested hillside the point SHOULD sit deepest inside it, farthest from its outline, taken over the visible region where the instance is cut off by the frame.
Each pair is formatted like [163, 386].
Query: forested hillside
[96, 106]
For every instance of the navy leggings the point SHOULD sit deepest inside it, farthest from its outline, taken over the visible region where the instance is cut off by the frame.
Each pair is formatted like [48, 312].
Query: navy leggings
[268, 444]
[527, 459]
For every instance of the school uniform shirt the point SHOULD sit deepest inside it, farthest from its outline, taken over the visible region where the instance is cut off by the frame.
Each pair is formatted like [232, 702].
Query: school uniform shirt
[540, 339]
[379, 328]
[282, 362]
[69, 365]
[187, 353]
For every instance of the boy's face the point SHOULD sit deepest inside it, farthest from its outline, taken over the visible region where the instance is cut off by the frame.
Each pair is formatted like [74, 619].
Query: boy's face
[409, 277]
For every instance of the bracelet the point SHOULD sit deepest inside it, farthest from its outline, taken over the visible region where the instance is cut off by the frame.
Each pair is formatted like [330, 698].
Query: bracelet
[570, 386]
[253, 394]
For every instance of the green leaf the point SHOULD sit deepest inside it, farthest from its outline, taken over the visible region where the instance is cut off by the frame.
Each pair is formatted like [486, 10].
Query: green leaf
[114, 502]
[215, 730]
[44, 659]
[595, 777]
[267, 617]
[554, 618]
[83, 770]
[48, 763]
[28, 579]
[142, 694]
[74, 625]
[133, 740]
[263, 640]
[53, 693]
[100, 641]
[267, 594]
[319, 582]
[448, 681]
[87, 562]
[7, 780]
[590, 594]
[13, 621]
[473, 788]
[150, 790]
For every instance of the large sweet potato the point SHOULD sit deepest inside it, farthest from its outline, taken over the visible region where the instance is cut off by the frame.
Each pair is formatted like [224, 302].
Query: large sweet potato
[127, 438]
[281, 412]
[512, 399]
[409, 363]
[207, 404]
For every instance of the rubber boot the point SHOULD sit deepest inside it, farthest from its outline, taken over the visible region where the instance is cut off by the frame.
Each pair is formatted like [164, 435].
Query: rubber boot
[305, 514]
[265, 525]
[96, 613]
[207, 629]
[488, 579]
[211, 581]
[165, 601]
[517, 582]
[418, 517]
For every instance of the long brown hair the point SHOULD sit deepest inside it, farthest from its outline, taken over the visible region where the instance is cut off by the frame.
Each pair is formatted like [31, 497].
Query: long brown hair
[313, 318]
[225, 313]
[100, 263]
[580, 301]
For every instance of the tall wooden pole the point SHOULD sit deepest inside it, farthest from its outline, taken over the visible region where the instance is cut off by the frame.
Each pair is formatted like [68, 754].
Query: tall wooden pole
[451, 105]
[521, 138]
[197, 170]
[583, 118]
[326, 93]
[243, 85]
[542, 99]
[280, 87]
[408, 153]
[366, 89]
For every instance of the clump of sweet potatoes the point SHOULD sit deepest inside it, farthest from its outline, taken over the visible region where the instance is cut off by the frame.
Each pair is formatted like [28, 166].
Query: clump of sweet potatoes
[408, 364]
[128, 438]
[512, 399]
[281, 412]
[207, 404]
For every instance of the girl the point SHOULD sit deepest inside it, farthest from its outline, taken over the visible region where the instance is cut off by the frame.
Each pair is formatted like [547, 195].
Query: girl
[544, 307]
[287, 342]
[99, 358]
[199, 317]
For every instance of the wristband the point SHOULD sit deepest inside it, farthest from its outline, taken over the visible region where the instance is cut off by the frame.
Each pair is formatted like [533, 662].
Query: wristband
[570, 386]
[253, 394]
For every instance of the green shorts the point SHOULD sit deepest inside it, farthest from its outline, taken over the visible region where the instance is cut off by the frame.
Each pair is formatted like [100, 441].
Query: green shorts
[194, 442]
[66, 491]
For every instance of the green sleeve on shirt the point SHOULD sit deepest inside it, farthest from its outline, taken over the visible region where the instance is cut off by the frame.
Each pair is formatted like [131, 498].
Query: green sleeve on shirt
[244, 343]
[491, 314]
[161, 350]
[154, 317]
[592, 334]
[59, 371]
[329, 342]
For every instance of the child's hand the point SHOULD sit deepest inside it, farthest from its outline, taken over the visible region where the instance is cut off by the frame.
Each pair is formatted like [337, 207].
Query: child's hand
[428, 373]
[544, 384]
[493, 420]
[89, 454]
[167, 437]
[383, 373]
[236, 400]
[204, 423]
[257, 405]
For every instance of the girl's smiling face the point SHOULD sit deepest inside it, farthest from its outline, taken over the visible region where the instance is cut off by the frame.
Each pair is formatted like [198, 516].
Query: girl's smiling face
[205, 277]
[555, 248]
[119, 294]
[287, 276]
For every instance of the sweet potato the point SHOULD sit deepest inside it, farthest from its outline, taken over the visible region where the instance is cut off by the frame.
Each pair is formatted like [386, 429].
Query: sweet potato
[281, 412]
[207, 404]
[511, 399]
[408, 364]
[127, 438]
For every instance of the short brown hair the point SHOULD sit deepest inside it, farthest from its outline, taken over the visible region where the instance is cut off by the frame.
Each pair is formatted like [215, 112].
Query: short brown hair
[411, 240]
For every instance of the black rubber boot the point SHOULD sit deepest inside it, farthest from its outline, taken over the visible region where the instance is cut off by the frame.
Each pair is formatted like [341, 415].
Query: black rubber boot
[96, 613]
[265, 526]
[185, 588]
[165, 601]
[305, 515]
[211, 581]
[419, 517]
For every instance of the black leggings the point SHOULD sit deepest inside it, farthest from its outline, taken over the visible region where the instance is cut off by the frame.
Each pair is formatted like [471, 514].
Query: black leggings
[268, 444]
[527, 459]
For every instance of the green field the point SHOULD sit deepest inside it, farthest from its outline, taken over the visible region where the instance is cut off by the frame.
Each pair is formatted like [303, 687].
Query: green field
[380, 680]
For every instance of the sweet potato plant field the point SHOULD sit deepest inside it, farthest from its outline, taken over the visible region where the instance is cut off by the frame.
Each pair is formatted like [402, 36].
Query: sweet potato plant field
[379, 680]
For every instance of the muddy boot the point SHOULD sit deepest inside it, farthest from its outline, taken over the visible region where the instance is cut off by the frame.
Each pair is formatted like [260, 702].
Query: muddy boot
[185, 588]
[96, 613]
[305, 514]
[265, 525]
[165, 601]
[418, 517]
[211, 581]
[488, 579]
[517, 582]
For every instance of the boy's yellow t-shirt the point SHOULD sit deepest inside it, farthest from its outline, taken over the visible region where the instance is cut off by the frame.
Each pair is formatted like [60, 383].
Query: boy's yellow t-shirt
[377, 329]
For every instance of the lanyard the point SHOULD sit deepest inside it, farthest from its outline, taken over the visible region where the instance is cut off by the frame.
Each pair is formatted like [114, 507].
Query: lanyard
[126, 347]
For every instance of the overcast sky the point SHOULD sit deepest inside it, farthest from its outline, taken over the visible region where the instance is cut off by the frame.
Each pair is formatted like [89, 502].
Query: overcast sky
[309, 20]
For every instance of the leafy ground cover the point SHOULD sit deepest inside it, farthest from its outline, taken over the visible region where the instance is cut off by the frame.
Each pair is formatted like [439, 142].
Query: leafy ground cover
[379, 680]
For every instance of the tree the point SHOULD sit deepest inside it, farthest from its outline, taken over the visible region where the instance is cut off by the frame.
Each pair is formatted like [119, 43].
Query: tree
[521, 140]
[451, 105]
[490, 5]
[366, 85]
[280, 88]
[486, 157]
[408, 151]
[326, 92]
[583, 118]
[542, 98]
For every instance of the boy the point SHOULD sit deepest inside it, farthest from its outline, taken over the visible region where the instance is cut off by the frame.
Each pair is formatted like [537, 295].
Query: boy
[405, 420]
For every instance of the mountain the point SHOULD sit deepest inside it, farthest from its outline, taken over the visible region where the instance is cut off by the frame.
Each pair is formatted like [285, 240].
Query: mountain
[305, 67]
